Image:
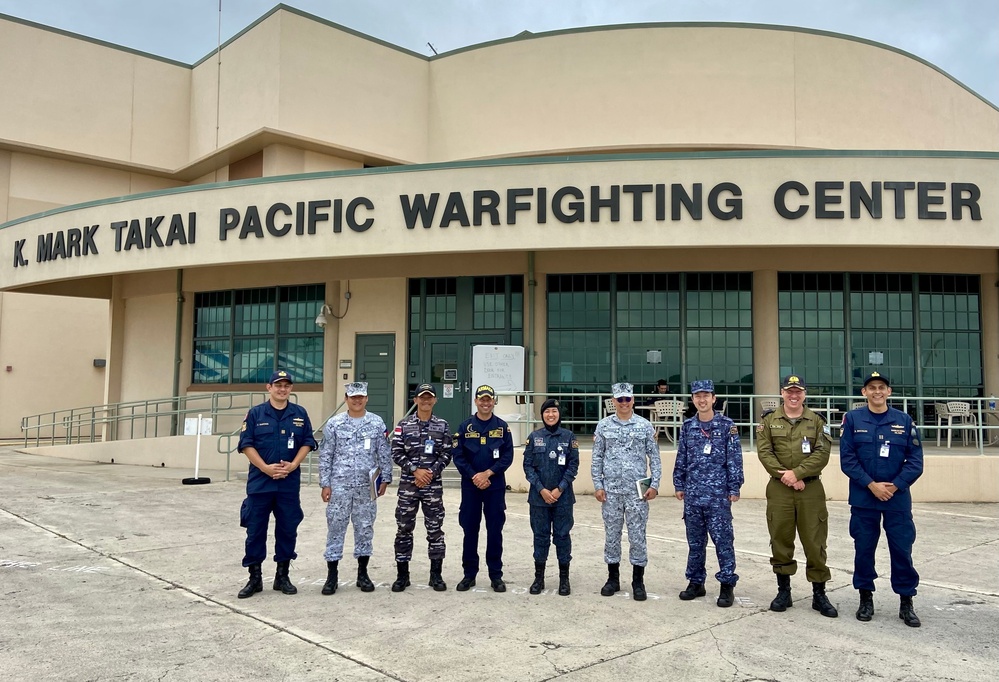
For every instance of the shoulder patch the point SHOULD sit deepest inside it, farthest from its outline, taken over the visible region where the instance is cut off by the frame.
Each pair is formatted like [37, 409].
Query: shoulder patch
[759, 428]
[734, 431]
[244, 427]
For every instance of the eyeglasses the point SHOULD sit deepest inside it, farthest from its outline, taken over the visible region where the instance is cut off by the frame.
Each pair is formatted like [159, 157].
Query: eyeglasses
[624, 399]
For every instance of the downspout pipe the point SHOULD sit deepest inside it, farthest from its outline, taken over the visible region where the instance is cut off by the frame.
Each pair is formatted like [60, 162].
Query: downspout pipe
[531, 353]
[178, 325]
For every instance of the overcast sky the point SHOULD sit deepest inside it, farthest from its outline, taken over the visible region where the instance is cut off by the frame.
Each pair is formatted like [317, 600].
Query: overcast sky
[960, 37]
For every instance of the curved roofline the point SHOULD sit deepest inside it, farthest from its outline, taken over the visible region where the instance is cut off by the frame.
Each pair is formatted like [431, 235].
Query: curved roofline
[521, 161]
[524, 35]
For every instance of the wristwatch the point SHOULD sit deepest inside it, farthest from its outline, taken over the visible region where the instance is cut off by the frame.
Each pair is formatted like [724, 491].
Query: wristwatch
[413, 468]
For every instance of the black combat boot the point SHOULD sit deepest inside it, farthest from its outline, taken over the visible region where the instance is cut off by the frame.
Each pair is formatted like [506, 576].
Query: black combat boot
[866, 610]
[638, 583]
[782, 602]
[563, 580]
[363, 581]
[906, 612]
[539, 578]
[402, 580]
[332, 578]
[254, 585]
[820, 602]
[282, 581]
[726, 597]
[693, 591]
[436, 579]
[613, 583]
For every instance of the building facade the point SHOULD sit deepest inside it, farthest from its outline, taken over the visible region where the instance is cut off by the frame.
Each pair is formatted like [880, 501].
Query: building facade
[746, 200]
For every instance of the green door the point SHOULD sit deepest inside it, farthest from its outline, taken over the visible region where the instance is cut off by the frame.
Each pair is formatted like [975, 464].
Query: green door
[448, 366]
[375, 355]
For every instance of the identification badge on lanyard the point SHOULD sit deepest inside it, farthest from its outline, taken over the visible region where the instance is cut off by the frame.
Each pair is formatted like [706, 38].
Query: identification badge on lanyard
[806, 447]
[367, 443]
[495, 453]
[561, 456]
[707, 448]
[428, 447]
[885, 450]
[291, 442]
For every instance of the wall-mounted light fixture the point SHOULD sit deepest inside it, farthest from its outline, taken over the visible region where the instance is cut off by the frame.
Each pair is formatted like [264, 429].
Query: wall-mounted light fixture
[321, 317]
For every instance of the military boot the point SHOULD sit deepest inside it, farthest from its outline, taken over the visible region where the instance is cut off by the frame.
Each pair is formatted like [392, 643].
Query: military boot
[254, 585]
[693, 591]
[638, 583]
[282, 581]
[436, 579]
[613, 583]
[363, 581]
[563, 580]
[726, 597]
[332, 578]
[402, 580]
[782, 602]
[821, 603]
[539, 578]
[906, 612]
[866, 610]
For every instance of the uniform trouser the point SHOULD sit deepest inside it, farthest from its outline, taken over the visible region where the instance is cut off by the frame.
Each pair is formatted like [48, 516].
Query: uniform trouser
[865, 529]
[702, 517]
[350, 505]
[618, 509]
[254, 516]
[804, 511]
[552, 523]
[475, 503]
[431, 497]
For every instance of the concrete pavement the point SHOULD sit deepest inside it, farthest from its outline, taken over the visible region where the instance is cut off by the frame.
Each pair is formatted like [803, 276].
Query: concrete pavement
[120, 572]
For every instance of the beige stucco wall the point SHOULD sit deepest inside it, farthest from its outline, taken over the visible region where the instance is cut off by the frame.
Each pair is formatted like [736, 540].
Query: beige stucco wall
[318, 86]
[49, 348]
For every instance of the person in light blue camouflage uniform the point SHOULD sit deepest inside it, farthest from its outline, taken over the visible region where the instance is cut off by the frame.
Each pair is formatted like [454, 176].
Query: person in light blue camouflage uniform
[354, 442]
[551, 462]
[624, 450]
[707, 478]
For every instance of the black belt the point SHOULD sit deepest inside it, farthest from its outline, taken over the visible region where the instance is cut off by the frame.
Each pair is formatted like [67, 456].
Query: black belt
[807, 479]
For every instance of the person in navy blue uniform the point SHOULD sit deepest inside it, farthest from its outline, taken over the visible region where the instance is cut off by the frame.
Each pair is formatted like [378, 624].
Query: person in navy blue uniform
[551, 462]
[483, 451]
[881, 453]
[707, 478]
[276, 437]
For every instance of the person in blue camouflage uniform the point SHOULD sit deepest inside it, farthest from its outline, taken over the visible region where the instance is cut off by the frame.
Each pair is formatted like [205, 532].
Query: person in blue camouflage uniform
[551, 462]
[421, 446]
[483, 451]
[708, 477]
[881, 453]
[624, 451]
[354, 442]
[276, 437]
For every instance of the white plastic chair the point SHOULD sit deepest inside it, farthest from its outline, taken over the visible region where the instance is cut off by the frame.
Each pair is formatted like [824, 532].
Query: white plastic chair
[861, 405]
[667, 417]
[609, 408]
[768, 404]
[956, 412]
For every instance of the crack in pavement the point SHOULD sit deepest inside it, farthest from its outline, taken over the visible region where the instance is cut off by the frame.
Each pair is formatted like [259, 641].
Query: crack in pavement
[308, 638]
[721, 654]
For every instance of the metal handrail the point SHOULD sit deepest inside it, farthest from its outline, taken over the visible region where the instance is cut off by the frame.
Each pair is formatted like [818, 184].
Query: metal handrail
[107, 422]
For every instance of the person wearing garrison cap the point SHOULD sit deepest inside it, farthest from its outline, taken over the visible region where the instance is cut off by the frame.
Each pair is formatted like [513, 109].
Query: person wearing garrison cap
[276, 437]
[707, 478]
[551, 462]
[354, 443]
[881, 453]
[483, 451]
[624, 452]
[794, 447]
[421, 446]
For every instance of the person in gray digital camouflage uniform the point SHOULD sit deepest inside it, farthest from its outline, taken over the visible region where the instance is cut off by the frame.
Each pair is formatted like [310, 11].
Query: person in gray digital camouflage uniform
[421, 446]
[624, 450]
[707, 478]
[354, 442]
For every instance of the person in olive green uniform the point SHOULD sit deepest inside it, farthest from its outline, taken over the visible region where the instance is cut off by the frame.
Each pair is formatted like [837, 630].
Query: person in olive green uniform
[794, 447]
